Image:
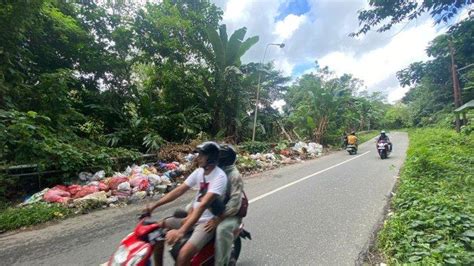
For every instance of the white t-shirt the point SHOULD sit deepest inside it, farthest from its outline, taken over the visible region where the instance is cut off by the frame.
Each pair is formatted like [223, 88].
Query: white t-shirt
[217, 184]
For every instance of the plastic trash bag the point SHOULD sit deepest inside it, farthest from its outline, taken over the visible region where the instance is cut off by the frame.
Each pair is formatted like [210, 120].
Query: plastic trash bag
[57, 195]
[98, 176]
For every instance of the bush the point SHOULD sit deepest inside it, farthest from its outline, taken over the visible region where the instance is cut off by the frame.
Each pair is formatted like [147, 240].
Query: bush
[255, 147]
[433, 220]
[14, 218]
[29, 138]
[367, 135]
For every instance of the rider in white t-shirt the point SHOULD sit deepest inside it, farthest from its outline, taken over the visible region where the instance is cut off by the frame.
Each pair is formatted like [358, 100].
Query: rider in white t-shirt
[215, 184]
[208, 202]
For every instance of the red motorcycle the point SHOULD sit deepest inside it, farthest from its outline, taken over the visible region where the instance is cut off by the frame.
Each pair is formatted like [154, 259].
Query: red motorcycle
[136, 249]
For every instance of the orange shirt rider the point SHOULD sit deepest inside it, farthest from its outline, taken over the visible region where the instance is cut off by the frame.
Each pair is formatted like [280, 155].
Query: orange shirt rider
[352, 139]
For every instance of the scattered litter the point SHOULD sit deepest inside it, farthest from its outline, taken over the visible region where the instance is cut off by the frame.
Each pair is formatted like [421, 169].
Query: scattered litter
[37, 197]
[152, 180]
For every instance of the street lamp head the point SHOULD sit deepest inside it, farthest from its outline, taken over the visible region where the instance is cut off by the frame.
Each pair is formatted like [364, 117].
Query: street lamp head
[281, 45]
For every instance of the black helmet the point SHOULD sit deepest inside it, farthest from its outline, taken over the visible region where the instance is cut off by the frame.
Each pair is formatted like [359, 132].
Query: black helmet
[211, 150]
[227, 155]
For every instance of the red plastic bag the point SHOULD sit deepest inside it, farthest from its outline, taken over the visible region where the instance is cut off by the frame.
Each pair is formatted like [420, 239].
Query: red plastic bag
[285, 153]
[144, 184]
[170, 166]
[60, 187]
[86, 190]
[73, 189]
[57, 195]
[103, 187]
[115, 181]
[135, 182]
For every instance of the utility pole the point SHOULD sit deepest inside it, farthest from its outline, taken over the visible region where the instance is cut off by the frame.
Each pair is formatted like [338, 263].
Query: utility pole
[456, 89]
[281, 45]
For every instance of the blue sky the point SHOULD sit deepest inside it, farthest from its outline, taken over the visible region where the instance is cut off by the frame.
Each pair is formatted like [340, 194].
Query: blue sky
[295, 7]
[299, 69]
[318, 30]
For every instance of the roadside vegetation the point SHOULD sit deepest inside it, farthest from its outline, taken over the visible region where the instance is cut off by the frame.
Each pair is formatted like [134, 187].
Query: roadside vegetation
[431, 220]
[13, 218]
[84, 84]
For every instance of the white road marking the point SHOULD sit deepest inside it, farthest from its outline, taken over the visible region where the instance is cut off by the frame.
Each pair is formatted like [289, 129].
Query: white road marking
[304, 178]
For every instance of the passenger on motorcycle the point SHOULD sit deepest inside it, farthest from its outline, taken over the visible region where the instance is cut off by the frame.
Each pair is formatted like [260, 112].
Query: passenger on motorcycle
[352, 139]
[383, 136]
[208, 202]
[228, 222]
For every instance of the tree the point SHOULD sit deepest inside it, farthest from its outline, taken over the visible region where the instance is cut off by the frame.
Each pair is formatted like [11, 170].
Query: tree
[226, 63]
[315, 104]
[431, 82]
[398, 116]
[397, 11]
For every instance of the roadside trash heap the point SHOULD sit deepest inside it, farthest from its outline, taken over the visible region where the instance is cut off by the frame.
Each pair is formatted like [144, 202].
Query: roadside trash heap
[135, 183]
[155, 179]
[249, 163]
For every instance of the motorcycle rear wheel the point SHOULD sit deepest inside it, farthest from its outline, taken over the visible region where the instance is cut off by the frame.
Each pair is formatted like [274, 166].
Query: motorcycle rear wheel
[234, 255]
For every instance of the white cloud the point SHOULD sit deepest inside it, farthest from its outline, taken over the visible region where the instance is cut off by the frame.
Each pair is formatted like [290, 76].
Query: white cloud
[322, 34]
[396, 94]
[379, 64]
[286, 27]
[237, 10]
[284, 66]
[279, 105]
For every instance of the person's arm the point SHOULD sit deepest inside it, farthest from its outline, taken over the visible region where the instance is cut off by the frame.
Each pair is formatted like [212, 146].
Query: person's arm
[233, 205]
[175, 235]
[190, 182]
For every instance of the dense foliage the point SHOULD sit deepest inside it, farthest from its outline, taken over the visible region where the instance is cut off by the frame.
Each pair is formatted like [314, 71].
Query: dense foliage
[433, 219]
[384, 14]
[83, 83]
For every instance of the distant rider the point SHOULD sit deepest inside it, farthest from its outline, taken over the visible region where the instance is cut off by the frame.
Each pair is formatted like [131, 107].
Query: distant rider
[385, 138]
[352, 139]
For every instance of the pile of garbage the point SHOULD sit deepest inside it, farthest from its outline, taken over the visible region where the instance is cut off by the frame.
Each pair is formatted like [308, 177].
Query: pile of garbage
[155, 179]
[252, 163]
[135, 183]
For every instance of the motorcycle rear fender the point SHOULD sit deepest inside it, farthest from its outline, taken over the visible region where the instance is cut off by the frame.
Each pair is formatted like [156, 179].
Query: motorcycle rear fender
[245, 234]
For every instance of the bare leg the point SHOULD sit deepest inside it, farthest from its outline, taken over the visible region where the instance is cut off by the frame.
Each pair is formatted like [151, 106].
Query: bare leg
[186, 254]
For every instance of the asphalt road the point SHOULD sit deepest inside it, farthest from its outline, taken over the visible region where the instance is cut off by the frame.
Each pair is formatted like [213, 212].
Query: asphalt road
[319, 212]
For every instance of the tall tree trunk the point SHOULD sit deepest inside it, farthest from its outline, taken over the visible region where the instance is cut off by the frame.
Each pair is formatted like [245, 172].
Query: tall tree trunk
[321, 129]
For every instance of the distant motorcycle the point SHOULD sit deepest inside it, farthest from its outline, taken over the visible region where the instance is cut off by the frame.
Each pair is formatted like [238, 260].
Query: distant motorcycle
[383, 149]
[351, 149]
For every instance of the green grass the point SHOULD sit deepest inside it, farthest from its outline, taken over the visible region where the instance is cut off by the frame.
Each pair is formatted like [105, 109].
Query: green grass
[13, 218]
[433, 210]
[367, 135]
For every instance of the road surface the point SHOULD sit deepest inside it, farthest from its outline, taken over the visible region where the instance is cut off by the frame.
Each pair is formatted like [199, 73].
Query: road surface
[319, 212]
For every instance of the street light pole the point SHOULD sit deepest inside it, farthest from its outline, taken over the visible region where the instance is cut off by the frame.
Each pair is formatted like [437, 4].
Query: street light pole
[281, 45]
